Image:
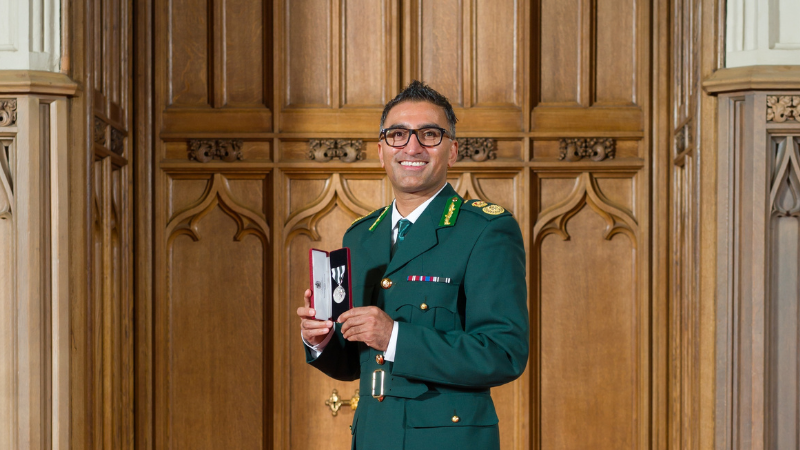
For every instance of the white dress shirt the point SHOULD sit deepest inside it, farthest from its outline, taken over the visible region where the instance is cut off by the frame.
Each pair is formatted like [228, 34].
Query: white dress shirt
[388, 355]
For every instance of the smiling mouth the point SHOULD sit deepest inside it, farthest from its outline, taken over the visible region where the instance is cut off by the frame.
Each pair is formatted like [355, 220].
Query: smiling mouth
[413, 163]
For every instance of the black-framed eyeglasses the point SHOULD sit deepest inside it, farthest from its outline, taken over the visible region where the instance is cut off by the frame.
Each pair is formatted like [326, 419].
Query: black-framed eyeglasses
[427, 136]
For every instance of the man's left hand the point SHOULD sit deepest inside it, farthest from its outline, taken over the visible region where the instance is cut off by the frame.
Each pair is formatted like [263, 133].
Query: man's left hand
[367, 324]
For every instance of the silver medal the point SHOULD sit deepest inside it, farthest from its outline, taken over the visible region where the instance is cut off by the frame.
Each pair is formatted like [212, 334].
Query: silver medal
[338, 294]
[338, 275]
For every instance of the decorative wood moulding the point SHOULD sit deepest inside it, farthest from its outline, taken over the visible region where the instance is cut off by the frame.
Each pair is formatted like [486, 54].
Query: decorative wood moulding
[786, 178]
[36, 82]
[781, 108]
[217, 193]
[8, 112]
[117, 141]
[477, 149]
[100, 131]
[206, 150]
[6, 180]
[597, 149]
[750, 78]
[347, 150]
[586, 192]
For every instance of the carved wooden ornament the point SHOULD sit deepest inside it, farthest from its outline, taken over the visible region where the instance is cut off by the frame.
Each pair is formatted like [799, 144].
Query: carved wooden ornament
[347, 150]
[8, 112]
[206, 150]
[477, 149]
[99, 131]
[597, 149]
[781, 108]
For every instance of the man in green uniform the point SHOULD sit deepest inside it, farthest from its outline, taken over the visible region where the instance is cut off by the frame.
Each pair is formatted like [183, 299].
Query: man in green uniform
[440, 303]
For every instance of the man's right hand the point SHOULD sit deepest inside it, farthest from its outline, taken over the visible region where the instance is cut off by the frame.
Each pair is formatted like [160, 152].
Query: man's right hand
[314, 331]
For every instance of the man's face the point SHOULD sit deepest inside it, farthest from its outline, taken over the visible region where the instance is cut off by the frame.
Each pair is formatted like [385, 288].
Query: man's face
[414, 169]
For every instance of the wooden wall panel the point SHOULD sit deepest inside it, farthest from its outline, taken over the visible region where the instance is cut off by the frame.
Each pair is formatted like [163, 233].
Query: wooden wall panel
[589, 313]
[495, 37]
[309, 53]
[365, 53]
[188, 63]
[442, 48]
[216, 339]
[562, 65]
[243, 54]
[783, 302]
[615, 53]
[212, 345]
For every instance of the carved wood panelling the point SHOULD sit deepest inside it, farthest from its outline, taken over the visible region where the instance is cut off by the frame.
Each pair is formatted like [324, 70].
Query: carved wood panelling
[7, 159]
[205, 150]
[346, 150]
[8, 112]
[589, 309]
[783, 303]
[596, 149]
[477, 149]
[211, 56]
[687, 157]
[584, 65]
[573, 71]
[200, 313]
[781, 108]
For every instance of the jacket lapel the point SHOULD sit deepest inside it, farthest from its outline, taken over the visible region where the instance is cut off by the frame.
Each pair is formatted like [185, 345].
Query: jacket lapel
[422, 234]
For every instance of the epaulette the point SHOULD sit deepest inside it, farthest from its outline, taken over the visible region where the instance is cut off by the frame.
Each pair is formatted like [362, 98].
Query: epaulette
[383, 213]
[450, 213]
[488, 211]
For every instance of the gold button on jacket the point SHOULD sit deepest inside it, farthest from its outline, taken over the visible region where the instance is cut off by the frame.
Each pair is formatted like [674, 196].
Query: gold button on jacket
[386, 283]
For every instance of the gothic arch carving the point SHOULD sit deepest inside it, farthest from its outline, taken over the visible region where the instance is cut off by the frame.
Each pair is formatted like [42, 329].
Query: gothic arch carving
[786, 178]
[6, 181]
[335, 192]
[554, 220]
[216, 194]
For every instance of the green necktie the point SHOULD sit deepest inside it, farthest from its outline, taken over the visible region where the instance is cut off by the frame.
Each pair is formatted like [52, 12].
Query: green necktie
[402, 229]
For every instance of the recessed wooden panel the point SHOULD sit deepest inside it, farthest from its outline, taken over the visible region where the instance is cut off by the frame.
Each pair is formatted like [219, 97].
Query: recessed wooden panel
[184, 194]
[561, 67]
[188, 57]
[497, 56]
[215, 338]
[441, 48]
[783, 323]
[308, 53]
[244, 52]
[588, 327]
[364, 52]
[8, 410]
[615, 62]
[302, 192]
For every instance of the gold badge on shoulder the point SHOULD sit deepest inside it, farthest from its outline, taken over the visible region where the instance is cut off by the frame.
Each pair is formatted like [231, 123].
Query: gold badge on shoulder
[494, 210]
[479, 204]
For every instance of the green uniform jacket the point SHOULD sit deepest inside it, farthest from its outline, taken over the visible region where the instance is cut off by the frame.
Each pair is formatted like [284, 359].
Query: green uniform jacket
[455, 340]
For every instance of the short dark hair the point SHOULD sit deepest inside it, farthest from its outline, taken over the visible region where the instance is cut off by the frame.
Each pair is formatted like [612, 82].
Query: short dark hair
[418, 91]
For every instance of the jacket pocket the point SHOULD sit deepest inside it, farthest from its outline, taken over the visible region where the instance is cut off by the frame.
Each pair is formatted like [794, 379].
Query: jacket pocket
[434, 305]
[451, 410]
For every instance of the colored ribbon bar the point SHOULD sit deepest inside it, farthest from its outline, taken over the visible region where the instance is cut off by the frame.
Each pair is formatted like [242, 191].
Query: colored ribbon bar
[430, 279]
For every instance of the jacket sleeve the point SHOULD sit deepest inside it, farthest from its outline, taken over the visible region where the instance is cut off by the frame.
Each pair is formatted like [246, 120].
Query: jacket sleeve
[492, 349]
[339, 359]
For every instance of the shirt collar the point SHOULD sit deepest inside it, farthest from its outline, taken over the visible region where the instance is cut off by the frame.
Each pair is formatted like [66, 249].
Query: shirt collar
[415, 213]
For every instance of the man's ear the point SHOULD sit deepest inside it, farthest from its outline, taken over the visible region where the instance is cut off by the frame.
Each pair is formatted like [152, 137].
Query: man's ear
[380, 154]
[453, 156]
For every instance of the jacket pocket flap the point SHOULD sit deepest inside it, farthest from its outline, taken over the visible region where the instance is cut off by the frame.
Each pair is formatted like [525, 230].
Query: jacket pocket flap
[451, 410]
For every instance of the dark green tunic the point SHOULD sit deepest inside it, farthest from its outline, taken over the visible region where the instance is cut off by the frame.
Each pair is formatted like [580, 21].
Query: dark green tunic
[471, 333]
